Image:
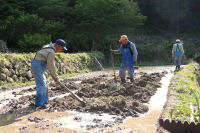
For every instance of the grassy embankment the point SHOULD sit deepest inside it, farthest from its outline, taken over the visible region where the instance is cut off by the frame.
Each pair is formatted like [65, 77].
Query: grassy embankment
[69, 65]
[185, 84]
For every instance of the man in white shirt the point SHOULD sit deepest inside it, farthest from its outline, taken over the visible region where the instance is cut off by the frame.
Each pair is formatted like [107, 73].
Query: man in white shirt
[178, 53]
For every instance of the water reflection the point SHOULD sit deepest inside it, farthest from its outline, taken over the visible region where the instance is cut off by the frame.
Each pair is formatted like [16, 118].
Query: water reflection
[14, 115]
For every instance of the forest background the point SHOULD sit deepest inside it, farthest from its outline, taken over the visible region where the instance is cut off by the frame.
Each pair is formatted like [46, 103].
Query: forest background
[94, 25]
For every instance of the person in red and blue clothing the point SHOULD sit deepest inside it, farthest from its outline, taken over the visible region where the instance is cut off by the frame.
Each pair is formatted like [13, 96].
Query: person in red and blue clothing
[129, 58]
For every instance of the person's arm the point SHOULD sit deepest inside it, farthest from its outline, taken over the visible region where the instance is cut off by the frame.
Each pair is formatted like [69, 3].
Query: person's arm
[118, 51]
[182, 50]
[135, 53]
[51, 66]
[173, 49]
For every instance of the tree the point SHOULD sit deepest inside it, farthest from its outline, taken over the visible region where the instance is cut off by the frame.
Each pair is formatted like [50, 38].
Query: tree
[13, 29]
[11, 8]
[101, 17]
[33, 42]
[173, 12]
[53, 9]
[179, 16]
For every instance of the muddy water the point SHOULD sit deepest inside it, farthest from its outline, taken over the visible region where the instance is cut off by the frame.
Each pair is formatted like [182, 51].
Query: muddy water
[12, 94]
[87, 121]
[147, 122]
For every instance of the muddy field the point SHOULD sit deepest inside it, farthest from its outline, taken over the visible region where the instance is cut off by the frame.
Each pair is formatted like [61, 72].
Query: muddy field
[101, 93]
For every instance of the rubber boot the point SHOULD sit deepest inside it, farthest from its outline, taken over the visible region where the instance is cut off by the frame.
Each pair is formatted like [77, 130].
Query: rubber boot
[123, 80]
[179, 67]
[176, 68]
[132, 80]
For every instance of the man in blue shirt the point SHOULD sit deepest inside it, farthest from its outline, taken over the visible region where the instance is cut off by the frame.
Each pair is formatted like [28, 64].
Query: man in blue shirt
[129, 58]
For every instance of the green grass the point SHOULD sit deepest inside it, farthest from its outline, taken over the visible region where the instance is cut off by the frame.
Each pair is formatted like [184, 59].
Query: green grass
[16, 85]
[184, 83]
[73, 64]
[148, 85]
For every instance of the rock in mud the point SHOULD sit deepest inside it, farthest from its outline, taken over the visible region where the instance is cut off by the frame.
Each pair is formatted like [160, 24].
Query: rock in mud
[78, 119]
[25, 128]
[37, 119]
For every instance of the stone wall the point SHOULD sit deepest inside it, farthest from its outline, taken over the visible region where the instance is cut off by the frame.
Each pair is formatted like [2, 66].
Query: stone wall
[16, 67]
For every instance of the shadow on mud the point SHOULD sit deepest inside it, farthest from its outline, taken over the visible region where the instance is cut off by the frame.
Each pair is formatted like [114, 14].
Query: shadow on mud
[14, 115]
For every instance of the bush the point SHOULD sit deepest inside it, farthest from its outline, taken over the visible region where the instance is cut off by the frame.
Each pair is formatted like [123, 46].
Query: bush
[152, 52]
[32, 43]
[79, 42]
[197, 57]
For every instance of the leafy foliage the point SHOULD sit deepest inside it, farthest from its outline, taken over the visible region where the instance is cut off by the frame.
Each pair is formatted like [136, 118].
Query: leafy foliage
[92, 24]
[33, 42]
[28, 24]
[53, 9]
[176, 16]
[79, 42]
[197, 57]
[84, 23]
[185, 84]
[107, 16]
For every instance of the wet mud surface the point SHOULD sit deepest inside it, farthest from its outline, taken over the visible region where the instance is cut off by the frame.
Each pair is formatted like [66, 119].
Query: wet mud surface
[101, 93]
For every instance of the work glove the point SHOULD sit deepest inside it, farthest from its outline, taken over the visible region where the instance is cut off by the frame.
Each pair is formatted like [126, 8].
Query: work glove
[58, 82]
[112, 51]
[65, 51]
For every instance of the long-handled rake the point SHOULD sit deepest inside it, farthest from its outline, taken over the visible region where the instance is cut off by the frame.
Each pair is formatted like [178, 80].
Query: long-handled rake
[74, 95]
[117, 85]
[115, 78]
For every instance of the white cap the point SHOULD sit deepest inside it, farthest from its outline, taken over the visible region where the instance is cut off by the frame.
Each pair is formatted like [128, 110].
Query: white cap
[178, 40]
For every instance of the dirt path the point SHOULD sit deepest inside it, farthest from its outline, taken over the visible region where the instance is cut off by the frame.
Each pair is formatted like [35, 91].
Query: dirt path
[125, 108]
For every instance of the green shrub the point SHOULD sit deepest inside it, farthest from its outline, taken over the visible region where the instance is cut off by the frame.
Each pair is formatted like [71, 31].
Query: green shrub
[31, 43]
[197, 57]
[79, 42]
[185, 84]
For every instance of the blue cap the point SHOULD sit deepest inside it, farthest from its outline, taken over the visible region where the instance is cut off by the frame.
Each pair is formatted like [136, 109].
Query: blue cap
[62, 43]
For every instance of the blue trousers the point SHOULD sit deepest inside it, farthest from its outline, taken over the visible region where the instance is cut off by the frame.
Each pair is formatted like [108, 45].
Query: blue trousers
[178, 59]
[125, 65]
[38, 69]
